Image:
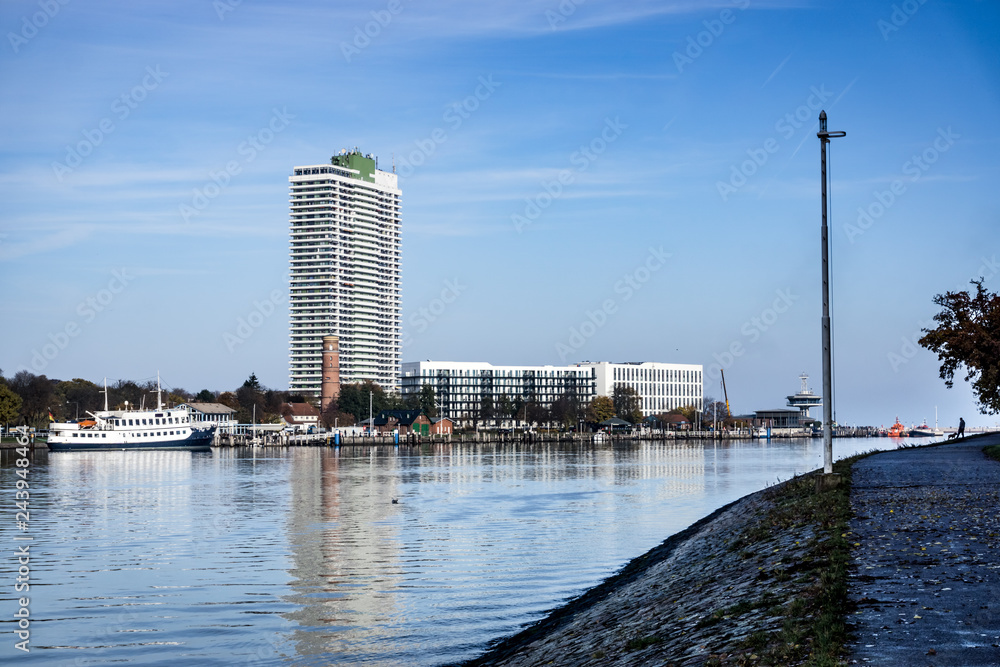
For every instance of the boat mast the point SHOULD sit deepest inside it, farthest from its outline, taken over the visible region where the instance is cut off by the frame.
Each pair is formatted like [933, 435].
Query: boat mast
[105, 394]
[159, 396]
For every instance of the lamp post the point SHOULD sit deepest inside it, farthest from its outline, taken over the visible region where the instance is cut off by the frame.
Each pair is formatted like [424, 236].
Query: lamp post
[77, 408]
[824, 139]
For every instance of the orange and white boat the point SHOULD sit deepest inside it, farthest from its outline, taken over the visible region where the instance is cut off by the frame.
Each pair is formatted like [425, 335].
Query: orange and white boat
[897, 430]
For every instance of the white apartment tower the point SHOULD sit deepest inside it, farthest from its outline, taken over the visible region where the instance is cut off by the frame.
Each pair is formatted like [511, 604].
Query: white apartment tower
[344, 227]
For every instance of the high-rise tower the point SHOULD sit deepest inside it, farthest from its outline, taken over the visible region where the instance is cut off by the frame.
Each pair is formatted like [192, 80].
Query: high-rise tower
[345, 282]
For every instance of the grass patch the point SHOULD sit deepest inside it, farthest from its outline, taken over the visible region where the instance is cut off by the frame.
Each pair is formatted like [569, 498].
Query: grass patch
[813, 629]
[639, 643]
[993, 451]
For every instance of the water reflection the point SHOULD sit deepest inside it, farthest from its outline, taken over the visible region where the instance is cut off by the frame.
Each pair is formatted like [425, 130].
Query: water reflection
[274, 556]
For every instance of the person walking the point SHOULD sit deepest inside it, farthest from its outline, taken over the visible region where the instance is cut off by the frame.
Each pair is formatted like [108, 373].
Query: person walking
[961, 427]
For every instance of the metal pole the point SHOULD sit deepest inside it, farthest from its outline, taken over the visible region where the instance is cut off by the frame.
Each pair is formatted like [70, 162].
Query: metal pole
[824, 139]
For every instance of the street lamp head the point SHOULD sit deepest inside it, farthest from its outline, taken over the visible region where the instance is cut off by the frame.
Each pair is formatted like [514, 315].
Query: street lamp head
[823, 134]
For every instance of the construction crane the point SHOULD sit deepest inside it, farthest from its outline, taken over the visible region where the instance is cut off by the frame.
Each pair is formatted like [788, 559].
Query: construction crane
[725, 393]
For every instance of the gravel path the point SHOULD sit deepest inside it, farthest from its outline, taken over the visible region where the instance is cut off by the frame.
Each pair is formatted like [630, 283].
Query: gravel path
[926, 570]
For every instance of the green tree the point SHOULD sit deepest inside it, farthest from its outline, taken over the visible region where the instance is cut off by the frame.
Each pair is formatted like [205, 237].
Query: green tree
[427, 401]
[505, 407]
[37, 395]
[205, 396]
[566, 410]
[487, 409]
[10, 404]
[258, 403]
[600, 409]
[517, 408]
[122, 391]
[354, 399]
[393, 401]
[77, 397]
[628, 403]
[253, 383]
[536, 413]
[968, 335]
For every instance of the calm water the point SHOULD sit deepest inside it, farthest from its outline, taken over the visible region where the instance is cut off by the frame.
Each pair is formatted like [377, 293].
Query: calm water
[266, 557]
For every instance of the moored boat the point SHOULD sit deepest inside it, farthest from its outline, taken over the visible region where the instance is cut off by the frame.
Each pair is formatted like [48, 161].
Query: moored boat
[925, 431]
[162, 428]
[897, 430]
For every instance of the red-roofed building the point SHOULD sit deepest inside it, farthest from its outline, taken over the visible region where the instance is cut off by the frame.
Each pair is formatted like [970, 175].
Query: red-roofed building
[302, 416]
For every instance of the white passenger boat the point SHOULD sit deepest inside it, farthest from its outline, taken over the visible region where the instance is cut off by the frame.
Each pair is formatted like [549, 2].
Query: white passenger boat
[162, 428]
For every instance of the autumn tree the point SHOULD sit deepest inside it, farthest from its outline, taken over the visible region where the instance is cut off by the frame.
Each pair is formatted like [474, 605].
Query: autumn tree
[334, 417]
[968, 336]
[600, 409]
[689, 411]
[715, 411]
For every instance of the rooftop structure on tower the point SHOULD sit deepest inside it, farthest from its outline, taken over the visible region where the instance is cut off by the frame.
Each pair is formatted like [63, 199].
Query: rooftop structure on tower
[804, 400]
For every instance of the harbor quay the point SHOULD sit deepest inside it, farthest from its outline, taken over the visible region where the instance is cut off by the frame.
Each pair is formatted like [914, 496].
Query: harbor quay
[921, 581]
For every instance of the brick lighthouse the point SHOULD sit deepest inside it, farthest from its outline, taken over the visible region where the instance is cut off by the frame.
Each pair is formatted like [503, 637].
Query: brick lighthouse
[330, 387]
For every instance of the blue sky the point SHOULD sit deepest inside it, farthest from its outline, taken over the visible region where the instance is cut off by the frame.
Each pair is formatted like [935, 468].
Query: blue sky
[649, 168]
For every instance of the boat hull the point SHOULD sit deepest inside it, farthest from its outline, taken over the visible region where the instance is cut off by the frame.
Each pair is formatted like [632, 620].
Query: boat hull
[193, 443]
[198, 440]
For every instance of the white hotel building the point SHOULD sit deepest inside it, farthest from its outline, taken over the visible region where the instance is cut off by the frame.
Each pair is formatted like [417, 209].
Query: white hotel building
[662, 387]
[460, 387]
[345, 276]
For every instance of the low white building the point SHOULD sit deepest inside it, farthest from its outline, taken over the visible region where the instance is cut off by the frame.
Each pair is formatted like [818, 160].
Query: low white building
[661, 386]
[212, 413]
[461, 386]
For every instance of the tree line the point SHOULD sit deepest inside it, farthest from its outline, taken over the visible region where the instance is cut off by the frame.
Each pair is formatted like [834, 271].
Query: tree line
[29, 399]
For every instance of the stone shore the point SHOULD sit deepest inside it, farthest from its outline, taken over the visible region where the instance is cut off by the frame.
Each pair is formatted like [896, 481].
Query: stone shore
[923, 584]
[694, 600]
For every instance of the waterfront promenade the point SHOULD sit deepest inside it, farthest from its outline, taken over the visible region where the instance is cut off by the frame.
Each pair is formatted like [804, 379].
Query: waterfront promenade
[926, 570]
[924, 576]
